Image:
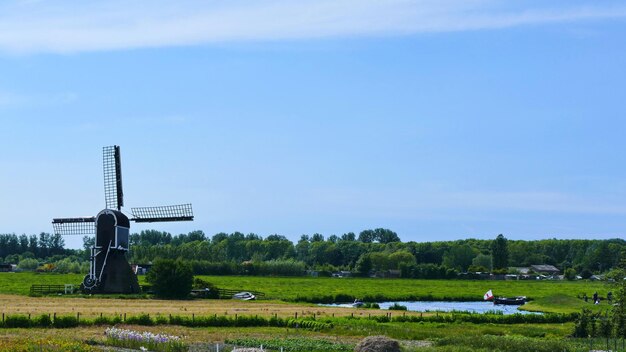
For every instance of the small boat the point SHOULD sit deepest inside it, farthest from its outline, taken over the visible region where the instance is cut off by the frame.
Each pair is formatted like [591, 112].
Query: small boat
[244, 296]
[510, 301]
[357, 303]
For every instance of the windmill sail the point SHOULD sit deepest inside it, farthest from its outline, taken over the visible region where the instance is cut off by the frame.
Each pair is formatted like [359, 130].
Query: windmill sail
[74, 226]
[112, 166]
[182, 212]
[109, 270]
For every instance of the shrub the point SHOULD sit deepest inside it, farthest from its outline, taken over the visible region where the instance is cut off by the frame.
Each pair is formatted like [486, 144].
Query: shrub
[397, 306]
[28, 264]
[371, 305]
[570, 274]
[65, 322]
[17, 321]
[143, 319]
[43, 321]
[170, 279]
[104, 320]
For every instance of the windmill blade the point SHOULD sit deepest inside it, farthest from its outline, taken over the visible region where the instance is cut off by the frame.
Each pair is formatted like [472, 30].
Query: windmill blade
[182, 212]
[112, 167]
[74, 226]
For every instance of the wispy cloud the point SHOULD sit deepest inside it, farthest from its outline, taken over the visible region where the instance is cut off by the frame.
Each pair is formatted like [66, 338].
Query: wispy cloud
[68, 26]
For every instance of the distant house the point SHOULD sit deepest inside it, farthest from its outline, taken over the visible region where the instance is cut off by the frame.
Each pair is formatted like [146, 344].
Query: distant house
[596, 277]
[520, 270]
[6, 268]
[545, 269]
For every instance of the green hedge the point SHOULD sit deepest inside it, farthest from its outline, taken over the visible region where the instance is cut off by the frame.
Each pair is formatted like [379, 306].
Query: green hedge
[24, 321]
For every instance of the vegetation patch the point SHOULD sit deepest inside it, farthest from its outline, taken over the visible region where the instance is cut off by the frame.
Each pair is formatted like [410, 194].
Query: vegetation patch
[21, 344]
[504, 344]
[144, 340]
[293, 344]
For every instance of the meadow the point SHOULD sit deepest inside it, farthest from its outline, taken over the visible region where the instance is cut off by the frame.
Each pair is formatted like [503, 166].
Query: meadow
[316, 327]
[548, 296]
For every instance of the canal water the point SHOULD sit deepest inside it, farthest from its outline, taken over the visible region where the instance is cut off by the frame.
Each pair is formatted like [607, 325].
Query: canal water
[444, 306]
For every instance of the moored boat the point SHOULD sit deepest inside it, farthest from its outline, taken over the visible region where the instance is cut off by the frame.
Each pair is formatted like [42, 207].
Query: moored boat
[244, 296]
[510, 301]
[357, 303]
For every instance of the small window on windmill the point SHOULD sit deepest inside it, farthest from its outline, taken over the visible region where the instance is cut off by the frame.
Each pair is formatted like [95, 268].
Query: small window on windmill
[121, 237]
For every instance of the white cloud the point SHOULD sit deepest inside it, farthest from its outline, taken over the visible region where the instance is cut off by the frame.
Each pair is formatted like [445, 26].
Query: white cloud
[68, 26]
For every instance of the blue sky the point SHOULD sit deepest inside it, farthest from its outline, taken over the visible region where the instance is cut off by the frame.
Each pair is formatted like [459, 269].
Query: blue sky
[437, 119]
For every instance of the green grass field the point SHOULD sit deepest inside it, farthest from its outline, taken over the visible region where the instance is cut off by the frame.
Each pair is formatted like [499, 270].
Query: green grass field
[552, 296]
[396, 289]
[549, 296]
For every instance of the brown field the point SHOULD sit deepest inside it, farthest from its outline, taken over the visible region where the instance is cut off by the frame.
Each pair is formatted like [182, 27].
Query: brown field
[192, 335]
[93, 307]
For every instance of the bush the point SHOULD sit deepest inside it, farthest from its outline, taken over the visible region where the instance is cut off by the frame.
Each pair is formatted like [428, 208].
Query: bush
[17, 321]
[104, 320]
[43, 321]
[397, 306]
[65, 322]
[570, 274]
[170, 279]
[143, 319]
[28, 264]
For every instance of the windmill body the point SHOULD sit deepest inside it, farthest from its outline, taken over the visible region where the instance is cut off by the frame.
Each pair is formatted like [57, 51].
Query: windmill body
[109, 270]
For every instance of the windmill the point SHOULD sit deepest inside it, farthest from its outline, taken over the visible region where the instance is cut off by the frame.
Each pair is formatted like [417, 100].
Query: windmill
[109, 271]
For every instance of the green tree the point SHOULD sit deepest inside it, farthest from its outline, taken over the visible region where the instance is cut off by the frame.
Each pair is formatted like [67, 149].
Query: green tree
[364, 265]
[401, 258]
[350, 236]
[570, 274]
[367, 236]
[170, 279]
[28, 264]
[482, 260]
[459, 257]
[500, 252]
[385, 236]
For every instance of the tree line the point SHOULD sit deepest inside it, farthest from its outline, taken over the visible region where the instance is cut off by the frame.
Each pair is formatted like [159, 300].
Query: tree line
[34, 246]
[371, 250]
[377, 250]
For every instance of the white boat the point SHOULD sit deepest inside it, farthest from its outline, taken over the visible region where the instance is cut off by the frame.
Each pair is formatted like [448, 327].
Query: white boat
[357, 303]
[244, 296]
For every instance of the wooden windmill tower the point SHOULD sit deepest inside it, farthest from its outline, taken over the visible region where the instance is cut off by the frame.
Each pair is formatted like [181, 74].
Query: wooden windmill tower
[109, 271]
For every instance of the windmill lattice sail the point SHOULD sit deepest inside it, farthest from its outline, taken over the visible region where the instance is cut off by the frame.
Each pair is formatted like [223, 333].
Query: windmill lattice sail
[181, 212]
[74, 226]
[109, 270]
[112, 166]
